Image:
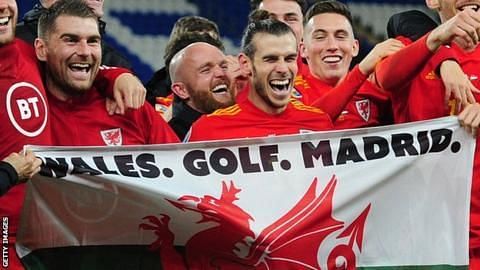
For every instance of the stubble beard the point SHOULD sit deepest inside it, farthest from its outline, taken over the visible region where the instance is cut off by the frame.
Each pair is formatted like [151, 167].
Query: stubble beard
[206, 103]
[259, 87]
[69, 89]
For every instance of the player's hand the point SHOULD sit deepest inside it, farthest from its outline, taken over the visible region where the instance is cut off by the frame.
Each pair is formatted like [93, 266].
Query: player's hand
[457, 83]
[237, 76]
[112, 107]
[380, 51]
[464, 28]
[470, 118]
[128, 93]
[26, 165]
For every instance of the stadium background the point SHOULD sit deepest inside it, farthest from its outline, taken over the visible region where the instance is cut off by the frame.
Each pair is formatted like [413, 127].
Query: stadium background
[140, 28]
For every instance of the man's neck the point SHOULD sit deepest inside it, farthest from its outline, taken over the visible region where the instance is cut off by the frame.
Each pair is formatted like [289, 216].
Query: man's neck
[55, 91]
[332, 82]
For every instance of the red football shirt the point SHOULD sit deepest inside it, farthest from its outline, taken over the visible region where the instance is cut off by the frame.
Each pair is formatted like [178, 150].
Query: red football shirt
[245, 120]
[25, 120]
[84, 121]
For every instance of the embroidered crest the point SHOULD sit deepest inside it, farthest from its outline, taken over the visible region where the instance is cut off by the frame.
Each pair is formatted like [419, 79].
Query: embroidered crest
[112, 137]
[363, 108]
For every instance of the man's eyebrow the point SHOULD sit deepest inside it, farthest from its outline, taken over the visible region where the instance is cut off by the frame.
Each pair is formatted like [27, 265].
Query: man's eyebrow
[69, 35]
[208, 64]
[292, 14]
[269, 56]
[319, 31]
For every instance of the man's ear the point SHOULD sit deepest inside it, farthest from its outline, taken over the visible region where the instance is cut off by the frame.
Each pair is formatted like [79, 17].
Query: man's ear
[356, 47]
[180, 90]
[40, 49]
[432, 4]
[302, 49]
[245, 63]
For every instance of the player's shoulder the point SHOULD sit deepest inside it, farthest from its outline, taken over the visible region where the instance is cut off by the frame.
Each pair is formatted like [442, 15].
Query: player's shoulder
[218, 119]
[301, 107]
[225, 112]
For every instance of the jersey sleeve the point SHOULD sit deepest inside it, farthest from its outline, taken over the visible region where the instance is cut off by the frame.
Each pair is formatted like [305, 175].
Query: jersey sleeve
[106, 77]
[442, 54]
[335, 100]
[398, 70]
[157, 130]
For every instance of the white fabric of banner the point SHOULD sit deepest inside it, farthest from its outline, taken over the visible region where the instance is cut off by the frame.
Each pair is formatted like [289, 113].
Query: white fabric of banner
[394, 195]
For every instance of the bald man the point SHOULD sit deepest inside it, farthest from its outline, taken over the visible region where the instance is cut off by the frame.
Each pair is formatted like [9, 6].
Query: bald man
[200, 85]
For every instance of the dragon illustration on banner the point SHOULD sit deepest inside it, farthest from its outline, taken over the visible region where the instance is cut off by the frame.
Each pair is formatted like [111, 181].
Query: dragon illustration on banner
[291, 242]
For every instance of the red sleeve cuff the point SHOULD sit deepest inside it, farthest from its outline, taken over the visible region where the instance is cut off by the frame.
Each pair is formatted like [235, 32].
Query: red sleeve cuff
[356, 77]
[105, 80]
[443, 53]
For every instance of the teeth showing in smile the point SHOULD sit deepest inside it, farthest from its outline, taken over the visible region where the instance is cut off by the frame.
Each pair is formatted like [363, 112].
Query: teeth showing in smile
[221, 88]
[332, 59]
[4, 21]
[80, 67]
[474, 7]
[280, 85]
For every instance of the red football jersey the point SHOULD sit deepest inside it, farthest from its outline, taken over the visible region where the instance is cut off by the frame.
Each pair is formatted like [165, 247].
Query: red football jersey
[245, 120]
[84, 121]
[25, 120]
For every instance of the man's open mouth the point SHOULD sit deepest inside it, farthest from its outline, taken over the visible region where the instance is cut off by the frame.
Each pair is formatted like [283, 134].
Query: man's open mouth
[4, 21]
[472, 6]
[280, 85]
[332, 59]
[219, 89]
[80, 67]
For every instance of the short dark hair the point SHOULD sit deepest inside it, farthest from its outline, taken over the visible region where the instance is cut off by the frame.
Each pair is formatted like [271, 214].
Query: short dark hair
[254, 4]
[258, 15]
[46, 22]
[177, 44]
[329, 6]
[193, 24]
[268, 26]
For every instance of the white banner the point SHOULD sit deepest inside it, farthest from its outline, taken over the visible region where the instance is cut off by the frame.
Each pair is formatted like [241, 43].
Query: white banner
[388, 196]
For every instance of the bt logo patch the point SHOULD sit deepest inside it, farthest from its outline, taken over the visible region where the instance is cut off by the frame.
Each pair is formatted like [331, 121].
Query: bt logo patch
[27, 109]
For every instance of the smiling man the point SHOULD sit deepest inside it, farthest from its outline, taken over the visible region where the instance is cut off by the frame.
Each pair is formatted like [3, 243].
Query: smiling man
[25, 117]
[270, 55]
[200, 84]
[72, 57]
[329, 46]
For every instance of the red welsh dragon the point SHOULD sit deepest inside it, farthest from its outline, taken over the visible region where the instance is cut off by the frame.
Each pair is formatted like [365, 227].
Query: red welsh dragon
[292, 242]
